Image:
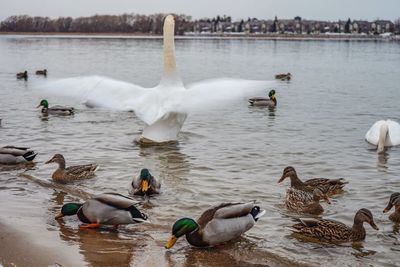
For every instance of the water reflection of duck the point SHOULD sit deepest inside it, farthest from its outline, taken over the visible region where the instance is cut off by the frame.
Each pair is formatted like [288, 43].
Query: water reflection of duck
[55, 110]
[263, 101]
[384, 134]
[283, 76]
[101, 248]
[394, 201]
[16, 155]
[305, 202]
[145, 184]
[216, 225]
[104, 209]
[333, 231]
[72, 173]
[328, 186]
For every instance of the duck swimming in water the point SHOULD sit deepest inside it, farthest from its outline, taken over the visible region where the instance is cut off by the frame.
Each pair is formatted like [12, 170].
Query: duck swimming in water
[263, 101]
[216, 225]
[22, 75]
[16, 155]
[384, 133]
[42, 72]
[394, 201]
[283, 76]
[333, 231]
[328, 186]
[69, 174]
[55, 110]
[304, 202]
[145, 184]
[104, 209]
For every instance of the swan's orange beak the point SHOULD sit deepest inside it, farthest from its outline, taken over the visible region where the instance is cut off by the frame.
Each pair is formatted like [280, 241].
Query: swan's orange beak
[171, 242]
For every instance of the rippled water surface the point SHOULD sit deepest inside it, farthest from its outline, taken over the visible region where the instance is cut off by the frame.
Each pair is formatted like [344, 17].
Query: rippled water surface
[230, 153]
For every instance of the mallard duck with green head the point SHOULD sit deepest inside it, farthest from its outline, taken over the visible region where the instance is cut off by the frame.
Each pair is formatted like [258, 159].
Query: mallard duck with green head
[305, 202]
[69, 174]
[145, 184]
[55, 110]
[328, 186]
[216, 225]
[333, 231]
[394, 201]
[263, 101]
[16, 155]
[104, 209]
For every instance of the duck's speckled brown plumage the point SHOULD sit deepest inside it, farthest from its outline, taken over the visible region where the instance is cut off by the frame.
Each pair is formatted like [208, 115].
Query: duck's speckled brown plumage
[305, 202]
[72, 173]
[394, 201]
[332, 231]
[328, 186]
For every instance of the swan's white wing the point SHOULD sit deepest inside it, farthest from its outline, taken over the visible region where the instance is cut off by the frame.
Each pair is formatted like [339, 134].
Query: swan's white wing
[97, 91]
[202, 95]
[394, 132]
[372, 136]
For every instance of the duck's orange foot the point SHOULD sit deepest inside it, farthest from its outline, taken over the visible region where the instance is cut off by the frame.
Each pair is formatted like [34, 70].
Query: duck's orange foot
[89, 226]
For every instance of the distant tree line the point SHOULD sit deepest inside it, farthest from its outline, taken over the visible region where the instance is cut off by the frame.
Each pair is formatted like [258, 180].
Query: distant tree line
[125, 23]
[153, 24]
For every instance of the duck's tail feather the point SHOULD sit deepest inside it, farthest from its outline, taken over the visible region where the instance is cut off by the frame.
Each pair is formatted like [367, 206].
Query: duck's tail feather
[30, 155]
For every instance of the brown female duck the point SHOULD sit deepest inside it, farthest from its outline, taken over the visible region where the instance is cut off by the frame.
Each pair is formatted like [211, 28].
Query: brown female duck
[72, 173]
[394, 201]
[305, 202]
[328, 186]
[22, 75]
[42, 72]
[283, 76]
[332, 231]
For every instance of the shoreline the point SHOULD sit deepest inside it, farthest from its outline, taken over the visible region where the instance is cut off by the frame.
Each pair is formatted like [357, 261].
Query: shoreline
[288, 37]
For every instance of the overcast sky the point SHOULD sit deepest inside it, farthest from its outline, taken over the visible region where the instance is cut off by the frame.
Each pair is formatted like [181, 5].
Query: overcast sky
[238, 9]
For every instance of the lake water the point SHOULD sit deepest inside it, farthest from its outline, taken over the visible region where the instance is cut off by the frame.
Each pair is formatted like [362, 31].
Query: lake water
[230, 153]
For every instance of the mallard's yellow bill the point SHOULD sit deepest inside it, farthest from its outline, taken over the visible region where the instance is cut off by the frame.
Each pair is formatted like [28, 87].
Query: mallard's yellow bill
[58, 216]
[145, 186]
[171, 242]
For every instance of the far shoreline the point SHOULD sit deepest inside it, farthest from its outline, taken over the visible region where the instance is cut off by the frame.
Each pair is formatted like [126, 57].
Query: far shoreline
[286, 37]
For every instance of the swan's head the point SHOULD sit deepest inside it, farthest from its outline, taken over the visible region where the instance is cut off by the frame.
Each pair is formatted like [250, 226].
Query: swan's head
[169, 20]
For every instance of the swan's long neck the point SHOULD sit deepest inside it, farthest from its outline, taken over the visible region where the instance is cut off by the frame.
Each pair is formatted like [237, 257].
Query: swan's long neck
[383, 132]
[170, 76]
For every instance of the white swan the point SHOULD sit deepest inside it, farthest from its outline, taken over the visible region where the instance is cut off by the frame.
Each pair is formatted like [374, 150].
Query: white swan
[384, 134]
[163, 108]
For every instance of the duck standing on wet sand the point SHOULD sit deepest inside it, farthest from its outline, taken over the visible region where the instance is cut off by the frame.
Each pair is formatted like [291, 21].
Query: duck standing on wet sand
[72, 173]
[104, 209]
[22, 75]
[283, 76]
[328, 186]
[394, 201]
[42, 72]
[216, 225]
[16, 155]
[55, 110]
[305, 202]
[263, 101]
[333, 231]
[145, 184]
